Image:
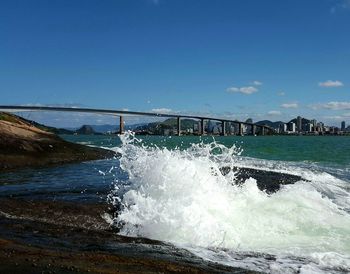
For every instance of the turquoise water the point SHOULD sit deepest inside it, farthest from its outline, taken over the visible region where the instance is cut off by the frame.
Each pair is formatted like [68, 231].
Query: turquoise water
[326, 150]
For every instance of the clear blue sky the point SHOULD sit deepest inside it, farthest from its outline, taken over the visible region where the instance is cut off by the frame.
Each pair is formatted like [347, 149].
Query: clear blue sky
[237, 58]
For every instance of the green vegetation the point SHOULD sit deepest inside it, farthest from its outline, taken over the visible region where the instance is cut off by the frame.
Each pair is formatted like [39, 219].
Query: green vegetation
[158, 128]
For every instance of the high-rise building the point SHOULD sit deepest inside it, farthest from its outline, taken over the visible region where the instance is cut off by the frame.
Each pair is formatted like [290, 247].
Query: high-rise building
[291, 127]
[299, 123]
[283, 128]
[309, 127]
[314, 124]
[343, 126]
[320, 127]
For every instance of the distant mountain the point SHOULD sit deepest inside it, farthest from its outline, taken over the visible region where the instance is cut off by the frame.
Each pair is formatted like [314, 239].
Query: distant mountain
[270, 124]
[105, 128]
[277, 124]
[171, 123]
[109, 128]
[134, 126]
[114, 128]
[185, 123]
[303, 121]
[86, 130]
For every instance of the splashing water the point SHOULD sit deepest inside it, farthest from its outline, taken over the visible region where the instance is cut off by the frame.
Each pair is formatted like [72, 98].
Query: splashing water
[180, 196]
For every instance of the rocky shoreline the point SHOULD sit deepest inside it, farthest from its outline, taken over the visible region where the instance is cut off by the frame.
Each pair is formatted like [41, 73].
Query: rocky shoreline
[63, 237]
[40, 235]
[24, 145]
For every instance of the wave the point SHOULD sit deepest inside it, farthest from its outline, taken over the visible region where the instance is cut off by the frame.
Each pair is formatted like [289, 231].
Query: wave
[180, 196]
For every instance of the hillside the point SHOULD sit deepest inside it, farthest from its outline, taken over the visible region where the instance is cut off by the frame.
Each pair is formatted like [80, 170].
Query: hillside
[303, 121]
[171, 123]
[86, 130]
[4, 116]
[270, 124]
[22, 144]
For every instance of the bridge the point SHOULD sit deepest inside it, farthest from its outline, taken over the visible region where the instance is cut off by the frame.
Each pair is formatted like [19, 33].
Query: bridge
[121, 113]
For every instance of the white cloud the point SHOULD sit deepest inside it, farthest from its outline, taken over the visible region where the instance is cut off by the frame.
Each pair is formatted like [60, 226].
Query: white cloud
[257, 83]
[344, 116]
[281, 93]
[290, 105]
[332, 106]
[340, 117]
[345, 4]
[274, 112]
[342, 4]
[331, 84]
[161, 110]
[334, 117]
[244, 90]
[248, 90]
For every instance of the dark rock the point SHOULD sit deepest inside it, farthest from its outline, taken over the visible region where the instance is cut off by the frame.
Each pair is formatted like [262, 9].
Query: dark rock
[70, 245]
[269, 181]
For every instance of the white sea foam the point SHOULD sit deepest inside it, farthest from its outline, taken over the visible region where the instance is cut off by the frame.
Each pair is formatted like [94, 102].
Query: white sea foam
[180, 196]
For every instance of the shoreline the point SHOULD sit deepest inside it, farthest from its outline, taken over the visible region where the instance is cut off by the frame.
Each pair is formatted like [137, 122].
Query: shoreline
[24, 145]
[66, 237]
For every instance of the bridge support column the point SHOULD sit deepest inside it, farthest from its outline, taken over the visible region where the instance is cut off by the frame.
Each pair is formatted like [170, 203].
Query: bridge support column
[178, 126]
[121, 124]
[240, 129]
[223, 128]
[202, 127]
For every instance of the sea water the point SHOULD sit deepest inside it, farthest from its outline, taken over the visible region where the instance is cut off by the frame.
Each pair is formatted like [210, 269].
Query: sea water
[179, 195]
[171, 189]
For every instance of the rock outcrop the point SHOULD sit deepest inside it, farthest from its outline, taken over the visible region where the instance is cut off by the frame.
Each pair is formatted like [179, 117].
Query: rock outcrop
[25, 145]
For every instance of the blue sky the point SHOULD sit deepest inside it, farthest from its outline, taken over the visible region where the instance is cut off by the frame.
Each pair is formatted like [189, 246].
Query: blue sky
[230, 58]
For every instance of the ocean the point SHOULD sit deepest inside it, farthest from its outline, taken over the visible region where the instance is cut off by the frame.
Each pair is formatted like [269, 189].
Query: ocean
[171, 189]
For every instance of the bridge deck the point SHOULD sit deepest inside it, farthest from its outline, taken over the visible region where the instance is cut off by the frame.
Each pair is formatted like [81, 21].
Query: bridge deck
[122, 113]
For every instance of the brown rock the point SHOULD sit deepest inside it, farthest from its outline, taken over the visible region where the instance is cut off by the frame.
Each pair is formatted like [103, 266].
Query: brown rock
[24, 145]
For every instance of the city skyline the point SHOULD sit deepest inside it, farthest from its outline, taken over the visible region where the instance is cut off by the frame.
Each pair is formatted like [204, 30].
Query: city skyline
[236, 59]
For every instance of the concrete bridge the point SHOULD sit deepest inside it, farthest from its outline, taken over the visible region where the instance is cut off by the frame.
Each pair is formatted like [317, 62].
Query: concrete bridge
[121, 113]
